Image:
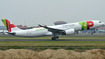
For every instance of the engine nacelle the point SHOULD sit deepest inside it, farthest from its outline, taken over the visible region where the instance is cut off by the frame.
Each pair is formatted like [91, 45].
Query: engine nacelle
[68, 32]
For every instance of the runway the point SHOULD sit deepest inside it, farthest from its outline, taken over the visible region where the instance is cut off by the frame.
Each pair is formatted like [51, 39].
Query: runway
[52, 40]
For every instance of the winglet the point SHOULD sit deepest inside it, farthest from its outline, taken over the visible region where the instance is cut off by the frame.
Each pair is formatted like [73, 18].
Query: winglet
[40, 25]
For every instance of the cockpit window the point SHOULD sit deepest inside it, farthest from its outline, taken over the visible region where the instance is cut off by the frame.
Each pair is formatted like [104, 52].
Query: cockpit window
[99, 21]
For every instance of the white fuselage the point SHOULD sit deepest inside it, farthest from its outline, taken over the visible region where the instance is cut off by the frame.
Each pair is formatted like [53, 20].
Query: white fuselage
[35, 32]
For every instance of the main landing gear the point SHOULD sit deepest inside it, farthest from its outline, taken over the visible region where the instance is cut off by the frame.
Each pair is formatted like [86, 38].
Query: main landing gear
[55, 37]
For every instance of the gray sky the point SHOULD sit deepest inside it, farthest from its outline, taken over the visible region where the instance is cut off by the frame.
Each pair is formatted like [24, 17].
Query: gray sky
[34, 12]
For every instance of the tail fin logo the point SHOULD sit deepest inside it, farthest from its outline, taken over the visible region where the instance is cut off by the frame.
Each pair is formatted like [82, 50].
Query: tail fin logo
[8, 25]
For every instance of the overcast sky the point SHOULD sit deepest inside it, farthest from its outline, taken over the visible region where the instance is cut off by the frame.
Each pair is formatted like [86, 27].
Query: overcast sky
[34, 12]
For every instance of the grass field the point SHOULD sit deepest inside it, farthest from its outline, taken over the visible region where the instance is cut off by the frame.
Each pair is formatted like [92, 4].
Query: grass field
[42, 45]
[58, 43]
[79, 46]
[52, 43]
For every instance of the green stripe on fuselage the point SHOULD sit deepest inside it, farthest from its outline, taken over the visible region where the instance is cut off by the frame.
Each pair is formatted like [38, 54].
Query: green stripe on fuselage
[4, 21]
[83, 25]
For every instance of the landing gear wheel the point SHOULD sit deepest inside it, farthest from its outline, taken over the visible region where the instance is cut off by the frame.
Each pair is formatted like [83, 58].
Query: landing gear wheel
[57, 37]
[53, 38]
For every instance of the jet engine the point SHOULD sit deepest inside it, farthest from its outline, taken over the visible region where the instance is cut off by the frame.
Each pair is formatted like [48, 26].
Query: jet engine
[68, 32]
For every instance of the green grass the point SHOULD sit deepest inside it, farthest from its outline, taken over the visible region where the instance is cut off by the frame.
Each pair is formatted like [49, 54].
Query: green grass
[51, 43]
[42, 45]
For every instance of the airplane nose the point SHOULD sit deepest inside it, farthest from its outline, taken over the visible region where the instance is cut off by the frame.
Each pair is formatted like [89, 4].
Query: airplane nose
[103, 23]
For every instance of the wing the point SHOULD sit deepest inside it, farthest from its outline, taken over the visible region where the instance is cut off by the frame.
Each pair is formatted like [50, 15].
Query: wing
[54, 30]
[59, 31]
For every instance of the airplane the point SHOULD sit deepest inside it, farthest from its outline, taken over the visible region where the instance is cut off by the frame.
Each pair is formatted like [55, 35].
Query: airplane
[64, 29]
